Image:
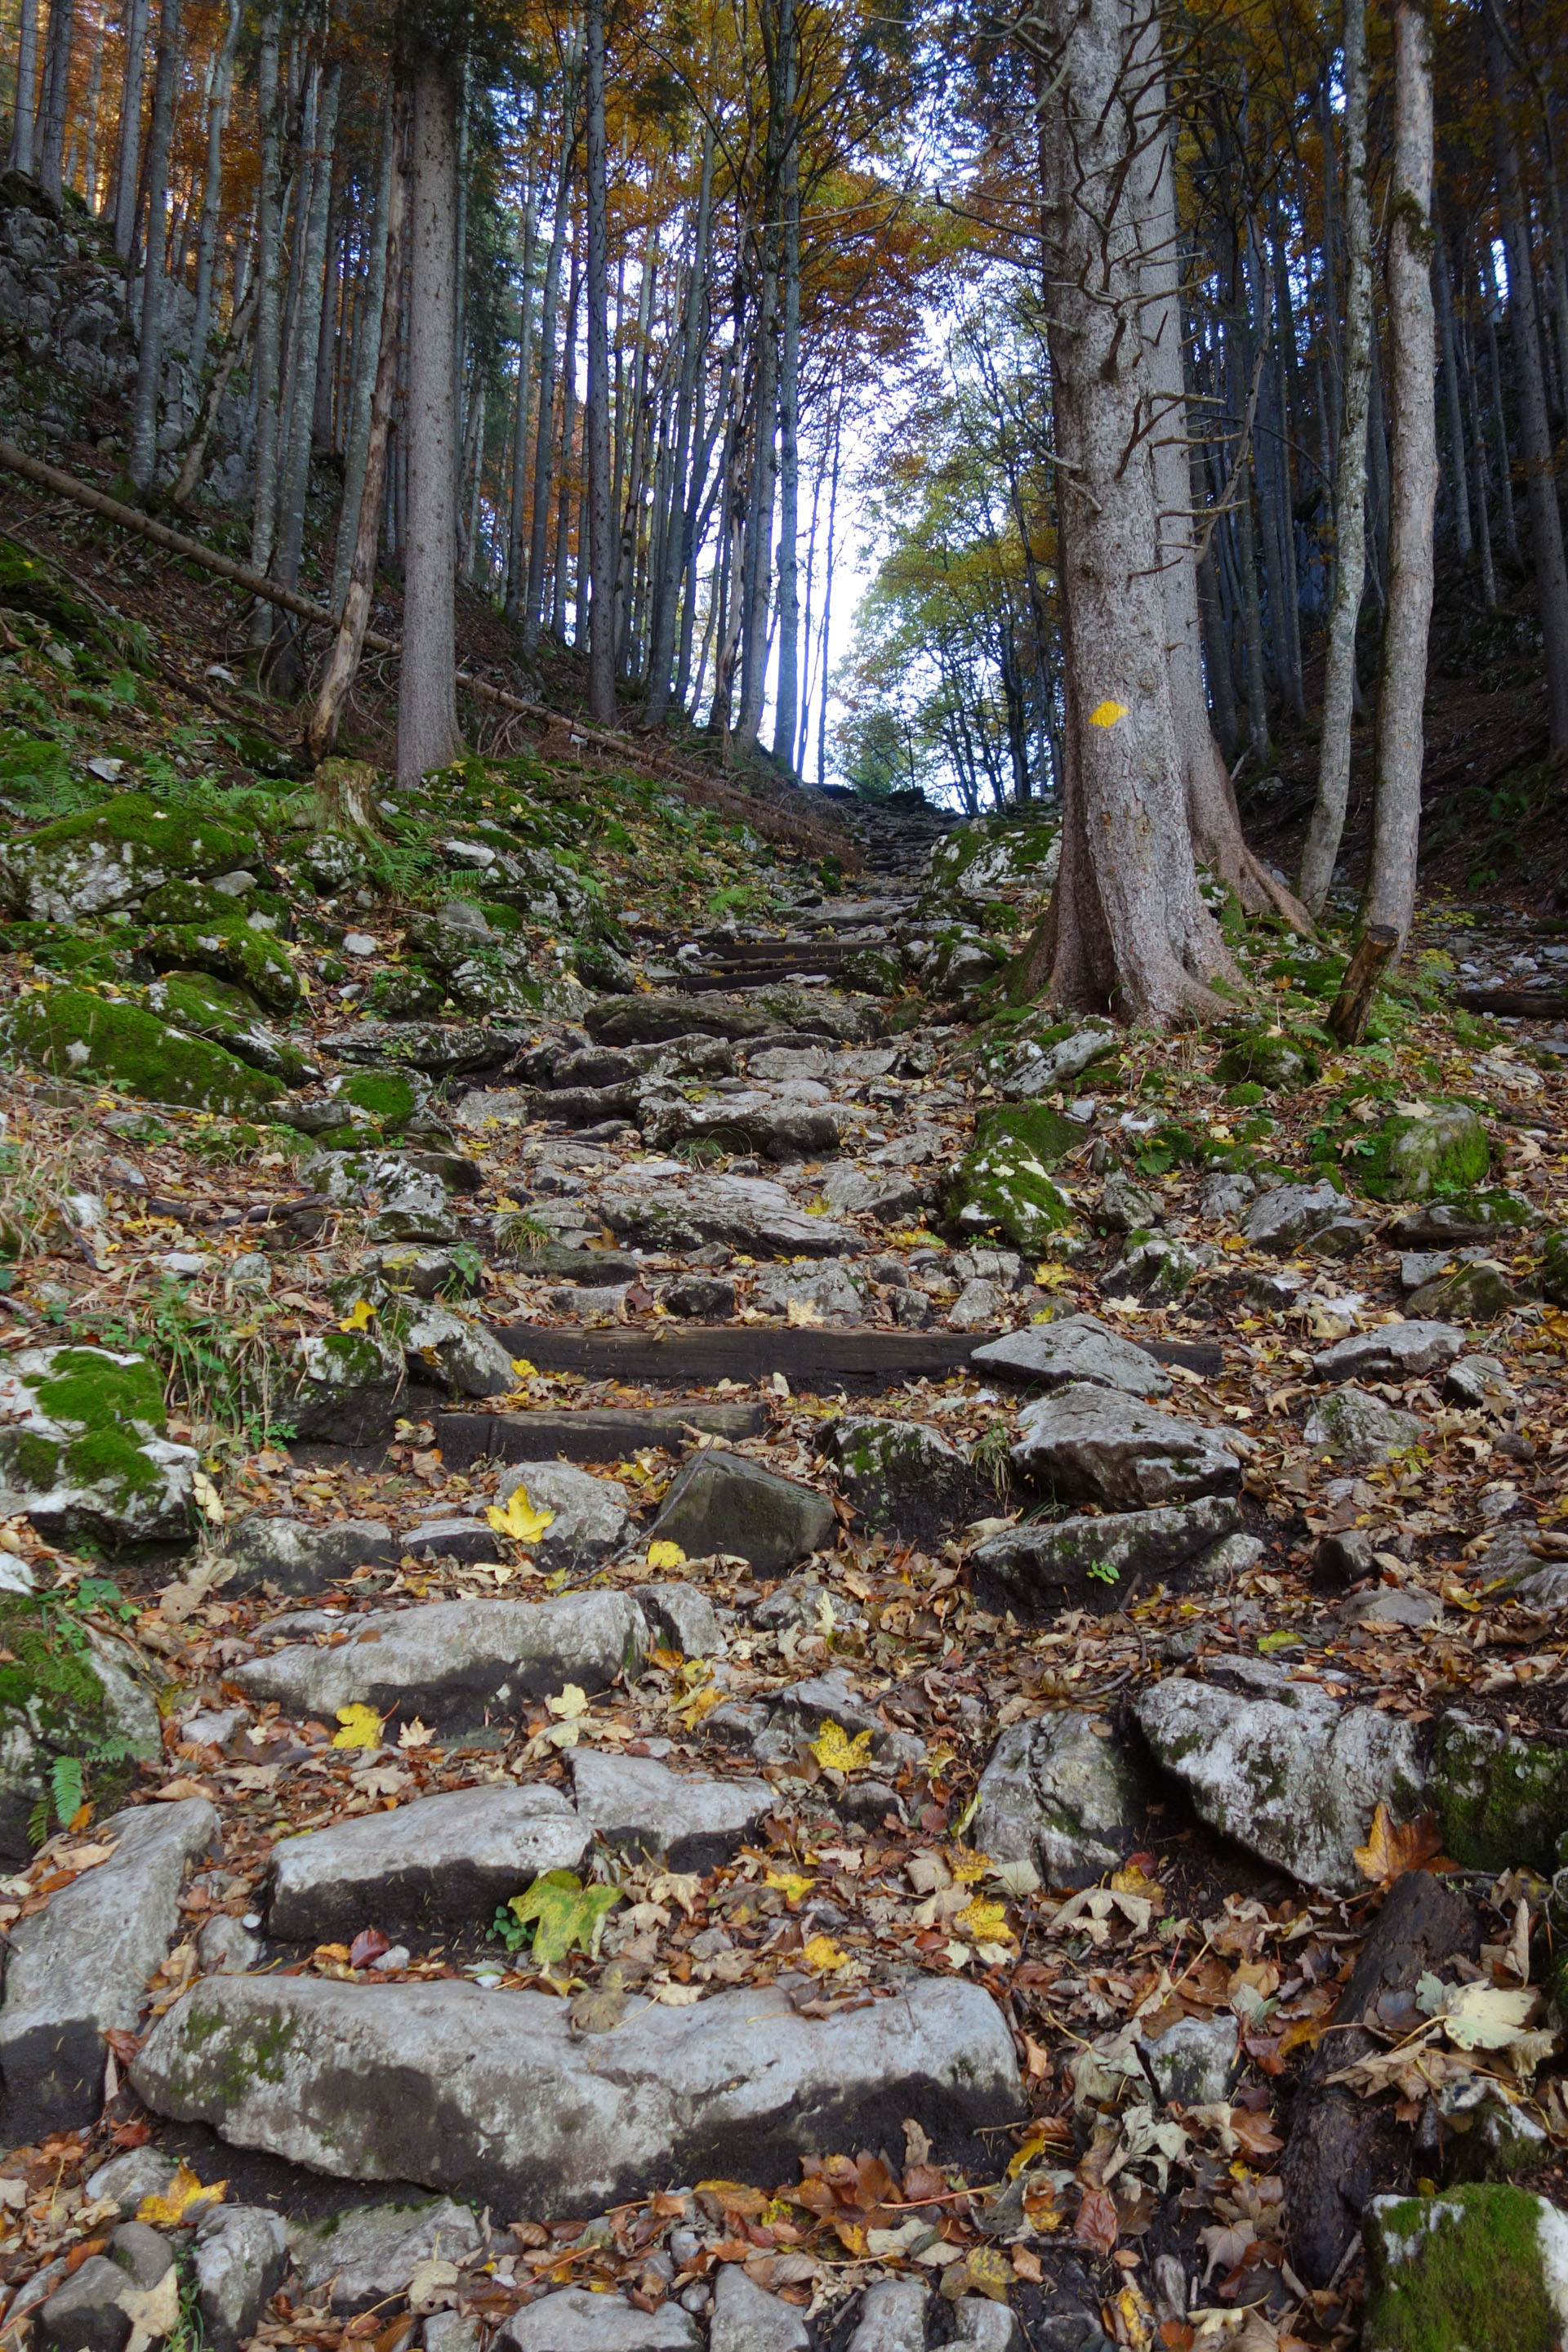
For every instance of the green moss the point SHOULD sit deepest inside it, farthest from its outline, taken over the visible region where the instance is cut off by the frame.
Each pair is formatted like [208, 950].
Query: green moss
[177, 839]
[1445, 2271]
[50, 1674]
[404, 992]
[1031, 1127]
[1258, 1058]
[1417, 1159]
[1502, 1800]
[1552, 1271]
[109, 1458]
[85, 1388]
[391, 1100]
[77, 1036]
[184, 901]
[1004, 1183]
[230, 950]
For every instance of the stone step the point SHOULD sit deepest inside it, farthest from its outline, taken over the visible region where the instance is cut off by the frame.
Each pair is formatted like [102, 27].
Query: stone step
[490, 2096]
[441, 1862]
[860, 1360]
[598, 1433]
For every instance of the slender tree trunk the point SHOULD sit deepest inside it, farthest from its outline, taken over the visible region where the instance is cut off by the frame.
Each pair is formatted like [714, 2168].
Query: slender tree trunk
[1459, 484]
[369, 359]
[94, 104]
[662, 641]
[149, 358]
[1479, 470]
[787, 689]
[1390, 897]
[1327, 826]
[514, 556]
[128, 170]
[19, 156]
[266, 369]
[297, 467]
[343, 660]
[212, 200]
[601, 524]
[1534, 426]
[57, 102]
[544, 451]
[427, 734]
[827, 598]
[194, 458]
[568, 466]
[1500, 418]
[756, 582]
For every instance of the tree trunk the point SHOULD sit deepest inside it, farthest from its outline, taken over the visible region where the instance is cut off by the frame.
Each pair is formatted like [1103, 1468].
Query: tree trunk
[57, 102]
[514, 554]
[19, 155]
[149, 358]
[212, 199]
[194, 458]
[129, 164]
[1459, 480]
[601, 526]
[544, 444]
[1478, 468]
[787, 689]
[371, 337]
[94, 103]
[297, 463]
[427, 734]
[662, 637]
[1327, 826]
[568, 466]
[264, 369]
[1127, 926]
[1534, 428]
[1390, 897]
[1499, 419]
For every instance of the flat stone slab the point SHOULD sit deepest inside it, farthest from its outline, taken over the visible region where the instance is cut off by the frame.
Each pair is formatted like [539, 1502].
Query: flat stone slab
[577, 2320]
[1095, 1445]
[588, 1517]
[444, 1860]
[1058, 1795]
[487, 2095]
[1394, 1352]
[1079, 1348]
[368, 2254]
[270, 1548]
[81, 1966]
[450, 1661]
[746, 1213]
[688, 1822]
[723, 1502]
[1090, 1563]
[1282, 1766]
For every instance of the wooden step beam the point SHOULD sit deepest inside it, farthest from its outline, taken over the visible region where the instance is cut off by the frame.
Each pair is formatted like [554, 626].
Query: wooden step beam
[598, 1433]
[859, 1360]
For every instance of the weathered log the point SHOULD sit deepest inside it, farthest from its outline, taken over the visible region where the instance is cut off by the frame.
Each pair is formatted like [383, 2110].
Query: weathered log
[1352, 1006]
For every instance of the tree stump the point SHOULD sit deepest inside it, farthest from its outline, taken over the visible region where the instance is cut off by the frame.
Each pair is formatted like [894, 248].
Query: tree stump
[1352, 1006]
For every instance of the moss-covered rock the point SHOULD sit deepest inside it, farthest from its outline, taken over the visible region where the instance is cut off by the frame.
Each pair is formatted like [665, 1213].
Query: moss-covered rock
[65, 1691]
[1503, 1800]
[873, 972]
[112, 856]
[1552, 1271]
[83, 1449]
[1267, 1058]
[78, 1035]
[404, 992]
[1472, 1293]
[229, 1016]
[604, 967]
[231, 947]
[347, 1386]
[994, 857]
[1004, 1184]
[387, 1096]
[1477, 2267]
[1434, 1155]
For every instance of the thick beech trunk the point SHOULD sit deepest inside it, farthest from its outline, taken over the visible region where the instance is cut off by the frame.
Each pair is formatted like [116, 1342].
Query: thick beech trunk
[150, 357]
[427, 734]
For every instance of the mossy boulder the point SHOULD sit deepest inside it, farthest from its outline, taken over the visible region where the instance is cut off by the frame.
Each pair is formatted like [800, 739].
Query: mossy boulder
[1503, 1800]
[93, 1038]
[232, 948]
[602, 967]
[1012, 856]
[1553, 1272]
[83, 1451]
[229, 1016]
[1004, 1184]
[66, 1690]
[347, 1387]
[112, 856]
[873, 972]
[1473, 1294]
[1423, 1156]
[404, 992]
[1267, 1059]
[385, 1096]
[1478, 2266]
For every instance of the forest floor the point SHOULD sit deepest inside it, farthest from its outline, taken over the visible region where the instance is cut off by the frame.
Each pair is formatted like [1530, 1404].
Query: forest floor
[472, 1191]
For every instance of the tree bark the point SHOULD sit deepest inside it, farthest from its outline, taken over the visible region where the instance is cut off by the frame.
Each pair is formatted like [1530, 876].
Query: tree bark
[298, 445]
[1456, 418]
[1535, 431]
[514, 556]
[1390, 897]
[264, 366]
[380, 275]
[212, 197]
[127, 176]
[568, 466]
[94, 103]
[57, 102]
[194, 458]
[1376, 949]
[1127, 928]
[427, 734]
[787, 689]
[661, 646]
[149, 358]
[601, 527]
[1327, 826]
[24, 120]
[544, 444]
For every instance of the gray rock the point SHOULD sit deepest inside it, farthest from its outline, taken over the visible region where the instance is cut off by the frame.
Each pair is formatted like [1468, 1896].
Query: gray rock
[591, 1518]
[1283, 1768]
[348, 1386]
[1419, 1267]
[83, 1449]
[86, 2311]
[885, 1193]
[573, 2320]
[799, 1711]
[892, 2318]
[722, 1502]
[1229, 1558]
[1155, 1268]
[300, 1559]
[640, 1806]
[1479, 1382]
[414, 1207]
[120, 1711]
[138, 2250]
[1194, 2062]
[437, 1048]
[140, 2172]
[1477, 1217]
[457, 1353]
[441, 1862]
[1042, 1564]
[744, 1212]
[1352, 1427]
[449, 1661]
[452, 2331]
[1223, 1195]
[1292, 1213]
[988, 2327]
[422, 1268]
[224, 1948]
[682, 1617]
[978, 1305]
[488, 2095]
[1125, 1205]
[901, 1474]
[748, 2319]
[367, 2255]
[240, 2254]
[1388, 1604]
[1344, 1558]
[706, 1297]
[799, 1600]
[81, 1966]
[779, 1122]
[826, 1296]
[451, 1539]
[1097, 1445]
[1078, 1348]
[1394, 1352]
[1044, 1070]
[1056, 1795]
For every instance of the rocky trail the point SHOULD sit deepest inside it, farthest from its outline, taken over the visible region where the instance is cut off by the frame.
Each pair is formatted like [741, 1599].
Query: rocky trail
[707, 1642]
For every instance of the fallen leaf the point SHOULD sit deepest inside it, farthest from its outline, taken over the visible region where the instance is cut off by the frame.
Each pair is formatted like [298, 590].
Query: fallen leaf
[1394, 1847]
[837, 1752]
[519, 1520]
[1097, 2225]
[789, 1883]
[367, 1945]
[154, 2312]
[822, 1955]
[362, 1726]
[567, 1915]
[168, 2209]
[414, 1734]
[208, 1499]
[430, 2281]
[599, 2008]
[359, 1315]
[985, 1922]
[665, 1554]
[173, 1790]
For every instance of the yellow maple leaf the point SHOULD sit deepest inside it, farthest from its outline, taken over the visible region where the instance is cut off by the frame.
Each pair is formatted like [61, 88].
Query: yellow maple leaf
[837, 1752]
[519, 1520]
[790, 1884]
[1106, 713]
[693, 1712]
[984, 1921]
[167, 2208]
[967, 1866]
[665, 1554]
[572, 1702]
[822, 1955]
[362, 1726]
[523, 1369]
[358, 1317]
